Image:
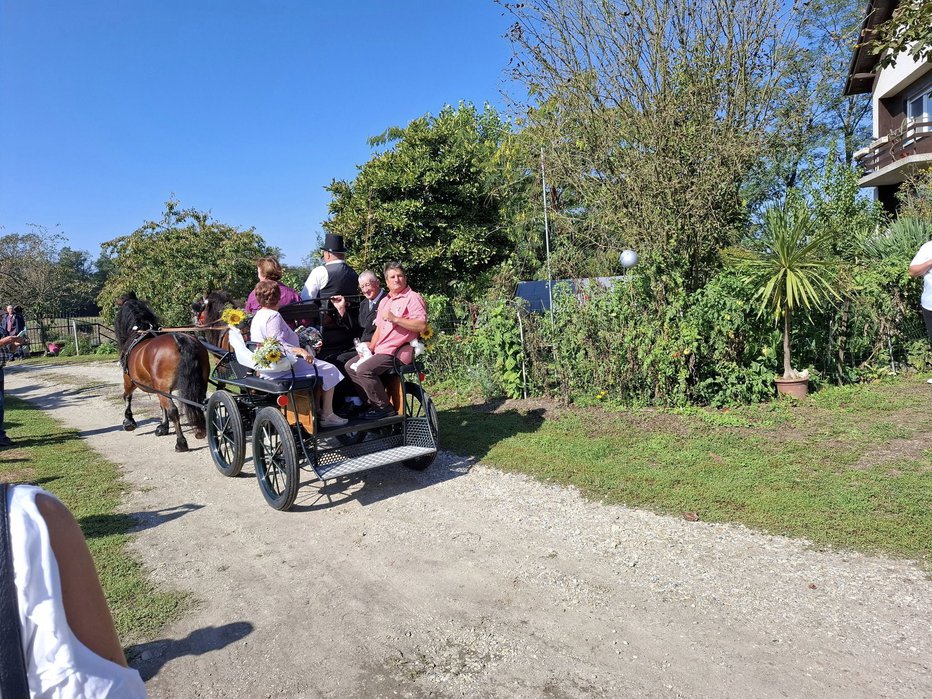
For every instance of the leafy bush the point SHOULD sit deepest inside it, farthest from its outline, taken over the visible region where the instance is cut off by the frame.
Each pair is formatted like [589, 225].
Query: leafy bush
[106, 348]
[68, 349]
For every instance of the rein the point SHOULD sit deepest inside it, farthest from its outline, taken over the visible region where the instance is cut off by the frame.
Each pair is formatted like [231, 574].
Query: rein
[190, 328]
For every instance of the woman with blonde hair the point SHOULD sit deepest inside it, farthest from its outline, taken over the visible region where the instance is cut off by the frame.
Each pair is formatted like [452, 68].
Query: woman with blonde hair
[268, 268]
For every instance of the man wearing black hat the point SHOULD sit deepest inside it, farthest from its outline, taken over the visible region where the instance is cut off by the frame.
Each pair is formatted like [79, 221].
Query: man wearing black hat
[333, 278]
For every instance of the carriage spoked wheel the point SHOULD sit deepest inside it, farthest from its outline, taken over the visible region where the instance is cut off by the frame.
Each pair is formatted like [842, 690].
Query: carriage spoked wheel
[225, 436]
[276, 458]
[419, 405]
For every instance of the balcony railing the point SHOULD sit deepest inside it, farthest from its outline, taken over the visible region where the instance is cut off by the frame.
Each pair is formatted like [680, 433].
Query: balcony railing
[915, 139]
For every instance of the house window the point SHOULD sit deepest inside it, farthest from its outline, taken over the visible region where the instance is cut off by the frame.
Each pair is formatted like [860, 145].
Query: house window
[919, 111]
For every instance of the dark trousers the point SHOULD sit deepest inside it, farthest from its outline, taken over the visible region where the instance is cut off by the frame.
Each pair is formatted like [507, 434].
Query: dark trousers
[927, 317]
[367, 378]
[2, 431]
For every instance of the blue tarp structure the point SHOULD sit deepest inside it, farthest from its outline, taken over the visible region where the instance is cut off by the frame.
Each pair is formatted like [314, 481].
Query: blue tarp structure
[537, 300]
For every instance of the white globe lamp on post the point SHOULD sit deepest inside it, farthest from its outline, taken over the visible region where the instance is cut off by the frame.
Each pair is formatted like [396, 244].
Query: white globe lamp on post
[628, 259]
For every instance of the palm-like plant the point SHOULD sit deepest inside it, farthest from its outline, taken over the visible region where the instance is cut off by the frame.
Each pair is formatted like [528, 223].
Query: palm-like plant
[790, 270]
[900, 241]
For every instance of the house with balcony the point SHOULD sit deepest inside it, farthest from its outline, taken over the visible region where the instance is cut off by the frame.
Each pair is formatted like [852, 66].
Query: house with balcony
[901, 101]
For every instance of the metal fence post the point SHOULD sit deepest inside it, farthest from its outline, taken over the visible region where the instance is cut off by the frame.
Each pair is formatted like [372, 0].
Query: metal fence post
[77, 346]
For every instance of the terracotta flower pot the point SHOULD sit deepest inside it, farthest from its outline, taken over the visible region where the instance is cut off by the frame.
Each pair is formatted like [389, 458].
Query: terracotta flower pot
[794, 388]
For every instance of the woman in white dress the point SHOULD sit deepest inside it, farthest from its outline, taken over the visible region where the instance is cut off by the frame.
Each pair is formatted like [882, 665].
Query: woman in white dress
[268, 322]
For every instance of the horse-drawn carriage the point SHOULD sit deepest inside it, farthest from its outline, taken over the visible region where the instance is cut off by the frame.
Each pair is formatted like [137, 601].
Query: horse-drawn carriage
[279, 417]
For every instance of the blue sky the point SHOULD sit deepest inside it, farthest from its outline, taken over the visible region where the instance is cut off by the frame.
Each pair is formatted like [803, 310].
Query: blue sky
[246, 108]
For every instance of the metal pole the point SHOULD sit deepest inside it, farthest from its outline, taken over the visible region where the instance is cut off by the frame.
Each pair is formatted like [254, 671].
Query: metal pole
[77, 347]
[543, 180]
[523, 368]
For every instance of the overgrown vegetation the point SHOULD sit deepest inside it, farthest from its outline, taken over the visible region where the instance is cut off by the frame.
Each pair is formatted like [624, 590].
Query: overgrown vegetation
[681, 129]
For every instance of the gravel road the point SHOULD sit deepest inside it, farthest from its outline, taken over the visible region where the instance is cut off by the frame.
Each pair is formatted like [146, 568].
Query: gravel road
[463, 581]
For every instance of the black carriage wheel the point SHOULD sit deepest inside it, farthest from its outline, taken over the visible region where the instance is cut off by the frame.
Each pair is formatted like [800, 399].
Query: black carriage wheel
[225, 436]
[276, 458]
[419, 405]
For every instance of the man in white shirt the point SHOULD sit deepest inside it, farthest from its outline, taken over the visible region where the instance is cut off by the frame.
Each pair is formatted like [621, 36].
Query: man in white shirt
[921, 266]
[334, 277]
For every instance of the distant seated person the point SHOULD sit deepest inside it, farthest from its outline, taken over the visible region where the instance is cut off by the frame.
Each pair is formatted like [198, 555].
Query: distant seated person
[363, 325]
[268, 322]
[268, 268]
[401, 317]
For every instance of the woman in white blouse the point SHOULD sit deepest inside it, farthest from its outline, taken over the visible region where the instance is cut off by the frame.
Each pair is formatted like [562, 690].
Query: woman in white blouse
[268, 322]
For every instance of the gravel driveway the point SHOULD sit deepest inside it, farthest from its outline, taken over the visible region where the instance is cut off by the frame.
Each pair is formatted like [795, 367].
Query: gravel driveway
[463, 581]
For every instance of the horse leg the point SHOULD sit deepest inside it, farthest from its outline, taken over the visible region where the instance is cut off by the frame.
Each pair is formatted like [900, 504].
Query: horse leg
[168, 405]
[162, 429]
[129, 424]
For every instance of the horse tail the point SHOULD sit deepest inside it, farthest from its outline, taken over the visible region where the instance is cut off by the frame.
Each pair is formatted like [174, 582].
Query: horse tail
[191, 384]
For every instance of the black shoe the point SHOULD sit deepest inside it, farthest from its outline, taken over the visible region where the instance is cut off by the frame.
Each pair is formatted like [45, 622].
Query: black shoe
[377, 413]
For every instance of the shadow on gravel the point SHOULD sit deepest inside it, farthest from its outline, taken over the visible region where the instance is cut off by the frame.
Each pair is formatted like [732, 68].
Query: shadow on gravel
[108, 525]
[149, 657]
[116, 427]
[378, 484]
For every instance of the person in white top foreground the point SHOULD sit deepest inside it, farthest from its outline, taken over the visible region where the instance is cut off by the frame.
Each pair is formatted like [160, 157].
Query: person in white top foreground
[921, 266]
[69, 641]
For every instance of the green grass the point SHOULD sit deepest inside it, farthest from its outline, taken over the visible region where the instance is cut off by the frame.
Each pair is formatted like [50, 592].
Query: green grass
[55, 458]
[850, 467]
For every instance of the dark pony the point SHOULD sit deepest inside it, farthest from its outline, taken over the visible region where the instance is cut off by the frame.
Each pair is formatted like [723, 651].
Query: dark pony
[161, 363]
[207, 311]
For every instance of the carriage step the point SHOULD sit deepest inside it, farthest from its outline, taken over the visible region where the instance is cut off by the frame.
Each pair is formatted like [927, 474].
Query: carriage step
[367, 461]
[358, 425]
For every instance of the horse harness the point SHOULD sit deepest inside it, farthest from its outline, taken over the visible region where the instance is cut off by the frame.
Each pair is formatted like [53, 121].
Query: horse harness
[140, 336]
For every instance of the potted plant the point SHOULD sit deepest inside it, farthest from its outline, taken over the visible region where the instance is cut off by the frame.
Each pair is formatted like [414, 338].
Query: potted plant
[791, 272]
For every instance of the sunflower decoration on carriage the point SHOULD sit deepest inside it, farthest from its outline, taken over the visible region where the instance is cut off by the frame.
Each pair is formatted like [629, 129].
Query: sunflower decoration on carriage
[422, 341]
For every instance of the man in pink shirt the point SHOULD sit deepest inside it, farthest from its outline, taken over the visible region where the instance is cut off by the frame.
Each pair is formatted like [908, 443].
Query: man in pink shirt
[401, 317]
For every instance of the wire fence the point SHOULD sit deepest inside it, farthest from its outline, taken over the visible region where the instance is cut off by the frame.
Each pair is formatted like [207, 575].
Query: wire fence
[84, 333]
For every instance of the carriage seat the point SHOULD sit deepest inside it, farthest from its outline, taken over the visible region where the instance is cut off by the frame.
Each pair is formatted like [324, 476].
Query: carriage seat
[243, 369]
[285, 385]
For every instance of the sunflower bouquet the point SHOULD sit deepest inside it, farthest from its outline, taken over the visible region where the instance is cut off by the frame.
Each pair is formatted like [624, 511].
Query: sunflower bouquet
[236, 318]
[269, 354]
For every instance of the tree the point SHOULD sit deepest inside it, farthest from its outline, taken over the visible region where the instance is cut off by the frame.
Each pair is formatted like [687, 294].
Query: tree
[46, 278]
[909, 30]
[429, 200]
[655, 112]
[173, 261]
[814, 120]
[77, 278]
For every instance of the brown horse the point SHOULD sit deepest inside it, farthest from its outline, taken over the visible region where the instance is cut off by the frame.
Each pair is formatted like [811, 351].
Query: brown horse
[161, 363]
[206, 314]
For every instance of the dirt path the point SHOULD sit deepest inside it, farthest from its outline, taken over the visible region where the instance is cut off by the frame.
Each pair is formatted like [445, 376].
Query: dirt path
[464, 581]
